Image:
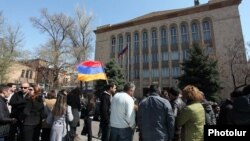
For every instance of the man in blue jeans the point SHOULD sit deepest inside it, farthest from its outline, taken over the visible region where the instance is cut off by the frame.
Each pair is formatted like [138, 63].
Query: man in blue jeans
[122, 118]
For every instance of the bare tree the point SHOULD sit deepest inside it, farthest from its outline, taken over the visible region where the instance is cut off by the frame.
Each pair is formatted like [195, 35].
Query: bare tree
[4, 59]
[14, 38]
[10, 39]
[80, 36]
[1, 22]
[239, 67]
[56, 26]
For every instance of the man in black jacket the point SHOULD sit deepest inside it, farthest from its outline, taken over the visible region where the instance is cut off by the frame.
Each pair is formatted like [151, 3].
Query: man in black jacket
[177, 105]
[227, 107]
[5, 119]
[240, 113]
[105, 98]
[18, 102]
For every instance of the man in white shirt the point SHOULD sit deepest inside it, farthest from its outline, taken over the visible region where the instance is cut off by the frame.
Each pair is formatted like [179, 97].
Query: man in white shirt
[122, 119]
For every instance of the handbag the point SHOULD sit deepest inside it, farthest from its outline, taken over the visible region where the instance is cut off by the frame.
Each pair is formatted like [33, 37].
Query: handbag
[69, 136]
[4, 130]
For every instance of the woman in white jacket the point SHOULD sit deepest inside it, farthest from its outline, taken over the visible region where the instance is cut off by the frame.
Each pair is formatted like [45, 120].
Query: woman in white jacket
[57, 118]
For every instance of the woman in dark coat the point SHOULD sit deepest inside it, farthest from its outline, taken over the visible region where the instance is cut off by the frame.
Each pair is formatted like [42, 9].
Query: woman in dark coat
[87, 129]
[5, 119]
[73, 100]
[33, 112]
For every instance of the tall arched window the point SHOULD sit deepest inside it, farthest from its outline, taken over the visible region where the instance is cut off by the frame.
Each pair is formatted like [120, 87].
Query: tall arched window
[165, 72]
[136, 59]
[136, 40]
[31, 74]
[128, 40]
[164, 56]
[129, 45]
[184, 33]
[145, 39]
[23, 72]
[163, 36]
[176, 71]
[195, 32]
[154, 38]
[154, 57]
[206, 30]
[145, 58]
[113, 42]
[120, 43]
[173, 35]
[27, 74]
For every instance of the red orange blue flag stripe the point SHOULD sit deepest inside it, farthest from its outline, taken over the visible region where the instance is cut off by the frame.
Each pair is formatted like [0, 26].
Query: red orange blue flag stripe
[90, 70]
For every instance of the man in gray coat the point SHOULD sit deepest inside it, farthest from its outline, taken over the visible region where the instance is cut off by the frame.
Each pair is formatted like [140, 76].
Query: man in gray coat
[155, 117]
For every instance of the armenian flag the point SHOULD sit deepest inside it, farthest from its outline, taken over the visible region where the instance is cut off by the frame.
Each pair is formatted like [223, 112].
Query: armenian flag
[90, 70]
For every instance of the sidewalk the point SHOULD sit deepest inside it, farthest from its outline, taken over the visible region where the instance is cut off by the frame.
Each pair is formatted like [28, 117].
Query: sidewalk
[95, 128]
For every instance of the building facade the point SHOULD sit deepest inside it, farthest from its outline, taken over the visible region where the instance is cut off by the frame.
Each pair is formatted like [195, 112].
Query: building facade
[19, 72]
[38, 71]
[159, 42]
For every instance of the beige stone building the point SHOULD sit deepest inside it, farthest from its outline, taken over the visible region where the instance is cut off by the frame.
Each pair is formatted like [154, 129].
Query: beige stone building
[37, 71]
[159, 42]
[19, 72]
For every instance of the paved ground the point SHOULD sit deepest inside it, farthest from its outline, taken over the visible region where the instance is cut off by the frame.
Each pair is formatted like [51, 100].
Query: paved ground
[95, 128]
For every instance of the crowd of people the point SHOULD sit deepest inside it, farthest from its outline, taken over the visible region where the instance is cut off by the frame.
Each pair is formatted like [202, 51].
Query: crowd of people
[168, 115]
[28, 114]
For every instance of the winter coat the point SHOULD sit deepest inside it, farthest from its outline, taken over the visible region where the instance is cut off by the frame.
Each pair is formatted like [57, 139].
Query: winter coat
[59, 126]
[105, 107]
[209, 115]
[33, 111]
[177, 105]
[5, 119]
[74, 101]
[241, 111]
[18, 102]
[156, 119]
[192, 120]
[224, 115]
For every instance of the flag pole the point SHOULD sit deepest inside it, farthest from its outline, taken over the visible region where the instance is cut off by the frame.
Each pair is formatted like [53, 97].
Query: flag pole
[128, 56]
[81, 88]
[86, 88]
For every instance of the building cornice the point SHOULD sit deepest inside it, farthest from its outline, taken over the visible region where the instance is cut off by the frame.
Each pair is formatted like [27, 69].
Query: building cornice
[176, 13]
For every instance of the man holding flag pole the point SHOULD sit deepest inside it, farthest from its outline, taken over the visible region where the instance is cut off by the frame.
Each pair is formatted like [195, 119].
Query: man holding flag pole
[89, 71]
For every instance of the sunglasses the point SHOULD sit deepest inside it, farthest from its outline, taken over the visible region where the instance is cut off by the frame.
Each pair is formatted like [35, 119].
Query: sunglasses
[31, 89]
[24, 87]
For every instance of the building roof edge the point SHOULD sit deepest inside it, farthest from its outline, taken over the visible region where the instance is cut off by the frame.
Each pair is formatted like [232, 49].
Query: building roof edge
[161, 15]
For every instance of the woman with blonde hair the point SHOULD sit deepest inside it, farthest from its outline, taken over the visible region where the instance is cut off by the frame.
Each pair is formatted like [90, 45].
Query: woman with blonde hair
[57, 118]
[33, 112]
[192, 117]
